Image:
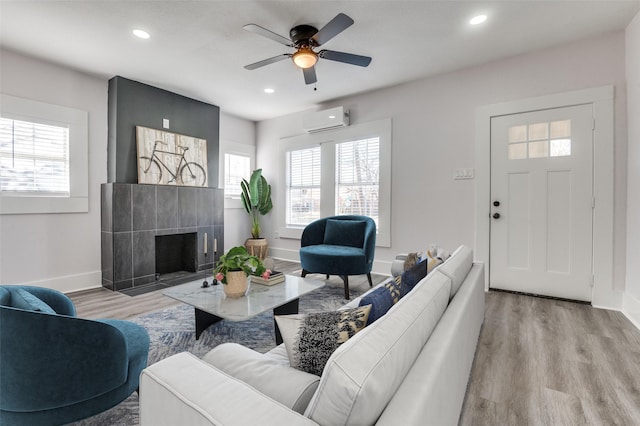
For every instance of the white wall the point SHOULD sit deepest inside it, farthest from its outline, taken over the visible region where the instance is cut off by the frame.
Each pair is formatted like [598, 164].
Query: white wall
[434, 133]
[235, 130]
[632, 293]
[60, 251]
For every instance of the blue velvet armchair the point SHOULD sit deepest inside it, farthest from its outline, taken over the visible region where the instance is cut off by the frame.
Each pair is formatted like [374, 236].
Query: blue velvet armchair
[339, 245]
[56, 368]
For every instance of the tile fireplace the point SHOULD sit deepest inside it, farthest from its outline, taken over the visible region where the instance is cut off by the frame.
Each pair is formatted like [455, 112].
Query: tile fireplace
[150, 230]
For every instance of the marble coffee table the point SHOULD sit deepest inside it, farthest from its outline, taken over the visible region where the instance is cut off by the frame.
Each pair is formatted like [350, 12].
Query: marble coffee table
[211, 305]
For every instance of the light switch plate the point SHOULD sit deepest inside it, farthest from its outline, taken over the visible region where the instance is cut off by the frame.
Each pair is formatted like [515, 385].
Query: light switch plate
[463, 174]
[165, 123]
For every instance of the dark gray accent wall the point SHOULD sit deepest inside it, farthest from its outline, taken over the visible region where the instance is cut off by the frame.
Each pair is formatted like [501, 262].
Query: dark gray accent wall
[134, 104]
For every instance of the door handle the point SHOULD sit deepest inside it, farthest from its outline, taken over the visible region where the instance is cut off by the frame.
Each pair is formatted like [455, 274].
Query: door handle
[496, 215]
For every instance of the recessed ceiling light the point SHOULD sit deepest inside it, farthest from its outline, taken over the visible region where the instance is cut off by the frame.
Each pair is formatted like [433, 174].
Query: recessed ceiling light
[332, 116]
[478, 19]
[141, 34]
[269, 90]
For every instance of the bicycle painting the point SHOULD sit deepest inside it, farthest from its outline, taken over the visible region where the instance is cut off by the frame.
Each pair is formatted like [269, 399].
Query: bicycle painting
[166, 158]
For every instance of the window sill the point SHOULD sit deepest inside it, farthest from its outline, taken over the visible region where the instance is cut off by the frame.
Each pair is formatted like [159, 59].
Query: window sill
[39, 205]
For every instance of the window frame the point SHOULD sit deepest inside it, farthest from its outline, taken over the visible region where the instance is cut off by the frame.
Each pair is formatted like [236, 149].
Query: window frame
[327, 142]
[77, 121]
[234, 148]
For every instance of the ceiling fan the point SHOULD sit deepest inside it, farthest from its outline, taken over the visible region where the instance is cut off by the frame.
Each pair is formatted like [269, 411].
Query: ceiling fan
[304, 38]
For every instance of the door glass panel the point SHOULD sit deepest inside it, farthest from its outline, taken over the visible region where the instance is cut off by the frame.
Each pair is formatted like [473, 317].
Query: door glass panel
[538, 131]
[560, 148]
[560, 129]
[517, 151]
[518, 134]
[538, 149]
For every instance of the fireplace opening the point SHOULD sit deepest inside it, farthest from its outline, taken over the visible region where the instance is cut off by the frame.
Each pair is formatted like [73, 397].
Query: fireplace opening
[176, 254]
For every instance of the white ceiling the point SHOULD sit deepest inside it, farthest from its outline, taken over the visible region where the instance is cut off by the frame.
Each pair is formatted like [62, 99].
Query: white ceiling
[198, 48]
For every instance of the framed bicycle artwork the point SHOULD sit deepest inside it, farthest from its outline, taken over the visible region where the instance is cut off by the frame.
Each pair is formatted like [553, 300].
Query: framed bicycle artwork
[166, 158]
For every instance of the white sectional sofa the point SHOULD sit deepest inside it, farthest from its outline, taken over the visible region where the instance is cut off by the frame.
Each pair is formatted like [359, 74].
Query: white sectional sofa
[410, 367]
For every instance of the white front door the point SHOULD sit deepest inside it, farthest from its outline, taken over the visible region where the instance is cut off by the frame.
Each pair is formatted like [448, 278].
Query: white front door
[542, 202]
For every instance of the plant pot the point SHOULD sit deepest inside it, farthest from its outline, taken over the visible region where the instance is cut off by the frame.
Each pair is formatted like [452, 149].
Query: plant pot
[257, 247]
[237, 284]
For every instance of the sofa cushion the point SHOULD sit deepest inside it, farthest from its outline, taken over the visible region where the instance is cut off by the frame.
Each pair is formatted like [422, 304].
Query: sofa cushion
[344, 232]
[265, 374]
[22, 299]
[341, 260]
[310, 339]
[363, 374]
[457, 267]
[381, 299]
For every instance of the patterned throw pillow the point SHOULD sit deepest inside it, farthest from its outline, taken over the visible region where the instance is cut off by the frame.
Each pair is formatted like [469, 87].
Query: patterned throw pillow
[310, 339]
[381, 299]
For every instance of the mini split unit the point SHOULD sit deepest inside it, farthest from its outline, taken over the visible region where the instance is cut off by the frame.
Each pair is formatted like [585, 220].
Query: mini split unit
[328, 119]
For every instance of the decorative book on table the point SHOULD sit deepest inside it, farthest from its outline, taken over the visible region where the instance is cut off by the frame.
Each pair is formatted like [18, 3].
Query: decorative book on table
[275, 278]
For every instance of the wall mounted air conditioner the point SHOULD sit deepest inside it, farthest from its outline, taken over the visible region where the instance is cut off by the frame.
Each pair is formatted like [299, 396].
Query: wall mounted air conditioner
[328, 119]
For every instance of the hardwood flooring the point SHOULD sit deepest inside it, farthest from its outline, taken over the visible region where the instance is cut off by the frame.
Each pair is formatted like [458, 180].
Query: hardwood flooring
[538, 362]
[548, 362]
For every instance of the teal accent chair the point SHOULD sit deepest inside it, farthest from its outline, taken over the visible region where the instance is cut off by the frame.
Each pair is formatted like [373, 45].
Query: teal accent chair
[339, 245]
[56, 368]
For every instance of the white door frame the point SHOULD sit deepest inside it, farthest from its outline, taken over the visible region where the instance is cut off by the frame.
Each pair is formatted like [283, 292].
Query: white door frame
[603, 180]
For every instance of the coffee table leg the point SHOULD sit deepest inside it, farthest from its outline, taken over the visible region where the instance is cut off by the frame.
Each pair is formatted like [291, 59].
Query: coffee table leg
[286, 309]
[204, 320]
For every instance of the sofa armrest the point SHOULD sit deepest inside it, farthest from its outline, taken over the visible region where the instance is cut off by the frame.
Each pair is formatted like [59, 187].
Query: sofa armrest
[185, 390]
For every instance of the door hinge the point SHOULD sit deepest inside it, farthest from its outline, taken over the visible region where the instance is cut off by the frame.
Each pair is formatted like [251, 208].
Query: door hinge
[592, 281]
[593, 202]
[593, 126]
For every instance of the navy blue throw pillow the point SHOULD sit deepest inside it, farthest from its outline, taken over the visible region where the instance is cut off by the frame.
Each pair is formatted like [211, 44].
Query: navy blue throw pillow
[22, 299]
[344, 232]
[412, 276]
[380, 300]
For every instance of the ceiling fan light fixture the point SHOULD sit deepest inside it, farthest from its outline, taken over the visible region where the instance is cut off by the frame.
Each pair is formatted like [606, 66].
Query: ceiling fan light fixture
[305, 58]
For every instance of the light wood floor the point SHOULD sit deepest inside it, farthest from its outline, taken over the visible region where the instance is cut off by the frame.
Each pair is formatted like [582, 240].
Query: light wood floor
[549, 362]
[539, 361]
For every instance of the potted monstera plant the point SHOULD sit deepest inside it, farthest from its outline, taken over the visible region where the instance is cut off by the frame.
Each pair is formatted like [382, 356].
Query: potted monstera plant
[233, 270]
[256, 200]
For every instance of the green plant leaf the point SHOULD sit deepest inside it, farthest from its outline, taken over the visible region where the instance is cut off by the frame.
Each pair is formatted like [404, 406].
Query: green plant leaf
[254, 187]
[244, 196]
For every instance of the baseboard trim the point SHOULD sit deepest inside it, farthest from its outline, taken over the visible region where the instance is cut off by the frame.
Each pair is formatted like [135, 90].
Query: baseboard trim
[379, 266]
[631, 309]
[70, 283]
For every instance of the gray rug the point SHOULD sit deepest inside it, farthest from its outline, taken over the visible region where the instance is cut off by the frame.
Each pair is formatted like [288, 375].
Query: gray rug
[172, 331]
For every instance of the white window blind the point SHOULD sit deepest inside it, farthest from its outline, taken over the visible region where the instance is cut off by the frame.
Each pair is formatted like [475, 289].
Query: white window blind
[358, 177]
[303, 186]
[34, 158]
[236, 168]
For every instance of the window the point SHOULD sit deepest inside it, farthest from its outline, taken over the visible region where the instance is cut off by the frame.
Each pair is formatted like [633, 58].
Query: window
[34, 157]
[540, 140]
[43, 158]
[303, 186]
[357, 177]
[236, 168]
[342, 171]
[237, 161]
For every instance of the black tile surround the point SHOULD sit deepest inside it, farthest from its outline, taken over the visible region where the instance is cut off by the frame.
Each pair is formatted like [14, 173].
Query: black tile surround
[132, 216]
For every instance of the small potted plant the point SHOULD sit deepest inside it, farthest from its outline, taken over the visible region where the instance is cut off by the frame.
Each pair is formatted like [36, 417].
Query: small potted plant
[233, 270]
[256, 200]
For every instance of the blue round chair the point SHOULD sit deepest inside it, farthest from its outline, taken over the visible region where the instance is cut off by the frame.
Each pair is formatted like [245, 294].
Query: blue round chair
[339, 245]
[56, 368]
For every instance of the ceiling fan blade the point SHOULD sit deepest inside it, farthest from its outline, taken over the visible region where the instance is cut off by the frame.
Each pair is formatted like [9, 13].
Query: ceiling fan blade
[337, 25]
[267, 61]
[347, 58]
[309, 75]
[257, 29]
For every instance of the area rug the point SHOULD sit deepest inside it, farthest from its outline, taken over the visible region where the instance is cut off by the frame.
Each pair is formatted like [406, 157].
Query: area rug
[172, 331]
